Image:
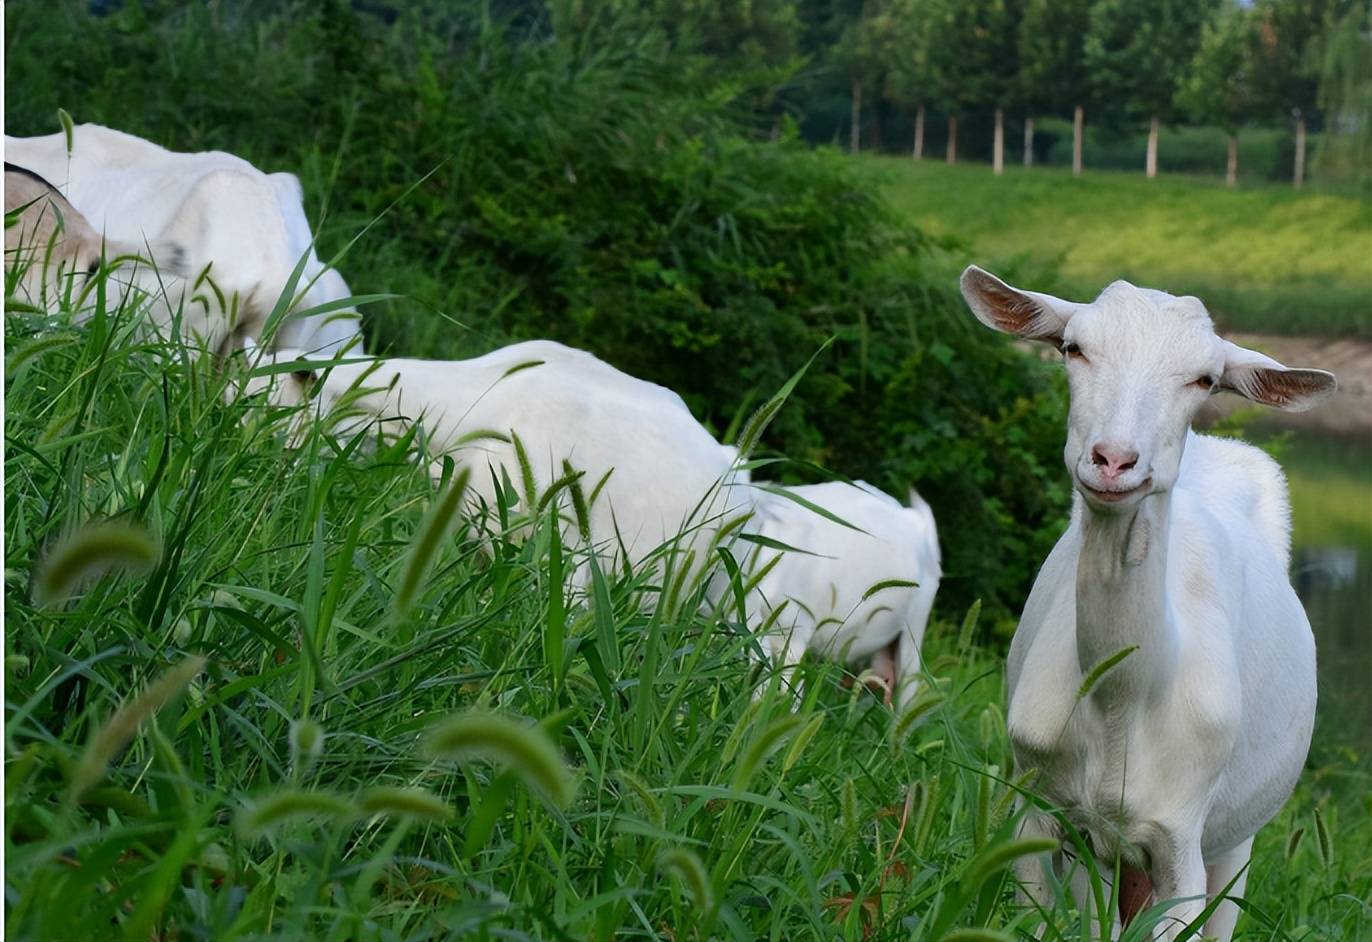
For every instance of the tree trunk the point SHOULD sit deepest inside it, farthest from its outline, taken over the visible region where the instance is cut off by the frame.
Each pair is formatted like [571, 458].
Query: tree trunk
[1298, 176]
[1078, 122]
[919, 133]
[1151, 162]
[855, 131]
[952, 140]
[1231, 169]
[998, 149]
[876, 125]
[1028, 142]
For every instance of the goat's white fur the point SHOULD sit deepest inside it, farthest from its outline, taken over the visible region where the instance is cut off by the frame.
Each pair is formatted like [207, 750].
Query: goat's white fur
[667, 476]
[1181, 752]
[243, 229]
[819, 594]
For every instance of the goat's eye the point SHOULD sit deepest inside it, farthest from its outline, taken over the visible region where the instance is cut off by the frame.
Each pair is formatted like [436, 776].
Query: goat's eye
[92, 269]
[1205, 382]
[1072, 350]
[304, 377]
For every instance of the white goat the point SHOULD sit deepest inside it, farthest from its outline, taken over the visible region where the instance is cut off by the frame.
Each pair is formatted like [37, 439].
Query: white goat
[650, 472]
[817, 597]
[1177, 554]
[54, 253]
[243, 232]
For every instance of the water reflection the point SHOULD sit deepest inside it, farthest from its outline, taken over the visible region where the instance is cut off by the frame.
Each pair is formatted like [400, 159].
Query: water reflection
[1331, 497]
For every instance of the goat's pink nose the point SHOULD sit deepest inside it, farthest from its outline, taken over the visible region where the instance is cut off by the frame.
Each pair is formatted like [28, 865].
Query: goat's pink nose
[1113, 460]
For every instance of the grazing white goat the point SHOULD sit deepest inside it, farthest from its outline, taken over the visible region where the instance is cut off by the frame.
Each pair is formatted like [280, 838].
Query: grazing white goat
[243, 230]
[649, 471]
[53, 251]
[843, 593]
[1177, 554]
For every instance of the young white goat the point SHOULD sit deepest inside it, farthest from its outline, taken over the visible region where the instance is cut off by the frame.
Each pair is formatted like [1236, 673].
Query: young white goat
[849, 594]
[1176, 554]
[649, 471]
[54, 253]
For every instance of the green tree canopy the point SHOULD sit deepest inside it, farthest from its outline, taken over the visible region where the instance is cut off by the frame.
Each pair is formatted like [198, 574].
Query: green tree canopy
[1137, 50]
[1052, 64]
[1218, 87]
[1287, 60]
[972, 51]
[756, 40]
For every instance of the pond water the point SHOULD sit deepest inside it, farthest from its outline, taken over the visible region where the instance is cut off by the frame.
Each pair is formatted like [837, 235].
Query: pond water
[1331, 502]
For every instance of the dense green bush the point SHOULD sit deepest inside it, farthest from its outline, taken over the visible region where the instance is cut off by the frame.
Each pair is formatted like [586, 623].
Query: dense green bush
[598, 190]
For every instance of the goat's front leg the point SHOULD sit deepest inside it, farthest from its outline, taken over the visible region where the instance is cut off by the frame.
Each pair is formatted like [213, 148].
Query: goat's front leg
[1034, 885]
[1178, 873]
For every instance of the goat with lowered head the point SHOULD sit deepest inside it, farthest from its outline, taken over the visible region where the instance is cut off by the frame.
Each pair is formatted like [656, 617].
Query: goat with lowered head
[525, 414]
[857, 590]
[1176, 553]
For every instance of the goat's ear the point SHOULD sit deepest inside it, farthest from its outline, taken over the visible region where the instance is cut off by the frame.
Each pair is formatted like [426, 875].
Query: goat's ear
[1026, 314]
[1262, 379]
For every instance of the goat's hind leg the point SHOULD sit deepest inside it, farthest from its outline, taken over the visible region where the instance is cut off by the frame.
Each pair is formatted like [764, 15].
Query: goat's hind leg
[1220, 925]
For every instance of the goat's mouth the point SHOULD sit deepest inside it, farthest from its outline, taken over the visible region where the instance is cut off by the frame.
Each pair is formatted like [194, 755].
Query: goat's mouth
[1115, 496]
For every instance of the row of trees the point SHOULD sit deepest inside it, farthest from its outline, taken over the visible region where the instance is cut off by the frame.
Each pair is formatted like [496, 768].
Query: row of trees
[1214, 62]
[1127, 63]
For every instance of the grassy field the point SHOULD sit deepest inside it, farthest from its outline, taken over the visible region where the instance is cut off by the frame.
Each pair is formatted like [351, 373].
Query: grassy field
[1263, 258]
[339, 723]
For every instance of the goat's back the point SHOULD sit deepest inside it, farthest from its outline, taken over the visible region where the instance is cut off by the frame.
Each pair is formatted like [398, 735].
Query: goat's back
[1235, 479]
[657, 470]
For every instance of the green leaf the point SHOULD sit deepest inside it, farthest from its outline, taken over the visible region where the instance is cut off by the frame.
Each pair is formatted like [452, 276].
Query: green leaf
[112, 737]
[395, 802]
[521, 367]
[758, 422]
[969, 625]
[685, 865]
[265, 814]
[768, 741]
[92, 551]
[1101, 669]
[994, 858]
[523, 749]
[68, 129]
[889, 584]
[424, 548]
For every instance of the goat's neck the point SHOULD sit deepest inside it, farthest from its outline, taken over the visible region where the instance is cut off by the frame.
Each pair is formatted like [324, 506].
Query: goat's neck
[1121, 598]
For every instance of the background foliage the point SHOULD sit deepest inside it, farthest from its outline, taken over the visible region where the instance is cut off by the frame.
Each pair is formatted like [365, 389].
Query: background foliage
[590, 191]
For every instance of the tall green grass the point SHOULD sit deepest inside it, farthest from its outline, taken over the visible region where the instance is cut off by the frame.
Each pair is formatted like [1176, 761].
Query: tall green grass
[251, 739]
[1263, 259]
